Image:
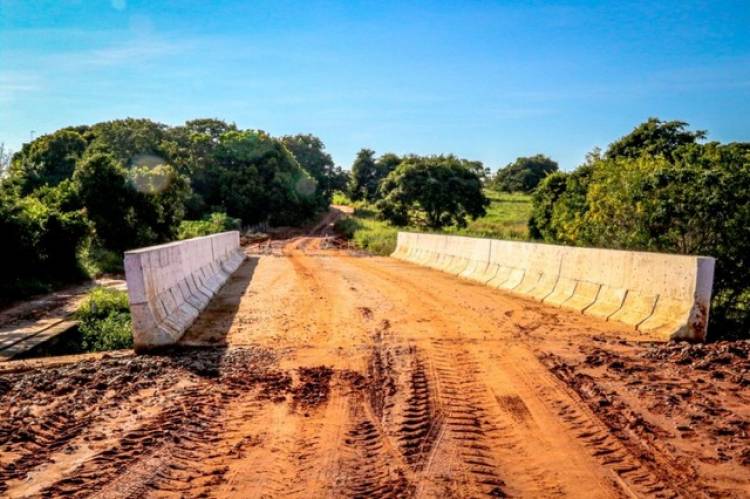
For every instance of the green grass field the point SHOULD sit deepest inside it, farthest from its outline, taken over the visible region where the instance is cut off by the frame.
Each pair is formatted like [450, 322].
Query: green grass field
[506, 218]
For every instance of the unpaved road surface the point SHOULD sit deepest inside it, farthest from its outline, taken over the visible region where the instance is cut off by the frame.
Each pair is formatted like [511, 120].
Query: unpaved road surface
[320, 372]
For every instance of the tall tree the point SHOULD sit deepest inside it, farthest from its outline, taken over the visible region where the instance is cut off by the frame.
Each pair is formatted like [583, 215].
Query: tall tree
[434, 191]
[364, 176]
[368, 173]
[255, 178]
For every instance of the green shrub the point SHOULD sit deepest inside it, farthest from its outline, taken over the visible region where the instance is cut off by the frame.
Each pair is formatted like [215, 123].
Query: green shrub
[371, 235]
[105, 320]
[41, 237]
[212, 224]
[97, 261]
[341, 199]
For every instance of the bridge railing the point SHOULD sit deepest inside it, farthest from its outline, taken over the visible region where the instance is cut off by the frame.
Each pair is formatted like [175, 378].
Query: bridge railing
[169, 285]
[665, 295]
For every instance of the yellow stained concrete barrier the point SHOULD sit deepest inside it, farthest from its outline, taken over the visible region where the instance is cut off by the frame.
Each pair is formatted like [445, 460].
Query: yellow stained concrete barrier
[661, 320]
[479, 258]
[542, 270]
[512, 259]
[545, 286]
[563, 291]
[667, 295]
[515, 278]
[530, 279]
[403, 245]
[636, 308]
[474, 267]
[170, 284]
[487, 274]
[501, 276]
[461, 249]
[607, 303]
[584, 296]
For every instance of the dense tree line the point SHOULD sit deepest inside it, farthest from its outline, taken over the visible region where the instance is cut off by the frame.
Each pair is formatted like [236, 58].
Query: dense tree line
[102, 189]
[661, 188]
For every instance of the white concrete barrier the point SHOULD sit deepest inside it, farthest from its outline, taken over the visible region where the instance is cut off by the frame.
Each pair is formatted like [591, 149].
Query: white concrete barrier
[664, 294]
[170, 284]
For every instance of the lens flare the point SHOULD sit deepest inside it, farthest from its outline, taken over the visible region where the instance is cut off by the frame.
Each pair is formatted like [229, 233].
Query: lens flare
[150, 174]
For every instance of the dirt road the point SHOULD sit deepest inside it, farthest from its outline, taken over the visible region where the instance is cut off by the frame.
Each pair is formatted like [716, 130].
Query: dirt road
[336, 374]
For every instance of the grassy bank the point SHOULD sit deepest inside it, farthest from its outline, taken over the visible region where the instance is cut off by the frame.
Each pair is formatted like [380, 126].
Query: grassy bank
[506, 218]
[368, 233]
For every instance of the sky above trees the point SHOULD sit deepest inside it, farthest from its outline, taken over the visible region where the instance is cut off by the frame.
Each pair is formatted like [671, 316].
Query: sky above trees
[483, 80]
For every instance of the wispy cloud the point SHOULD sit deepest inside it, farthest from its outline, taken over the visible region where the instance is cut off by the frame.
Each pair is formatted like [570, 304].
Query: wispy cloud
[135, 50]
[14, 83]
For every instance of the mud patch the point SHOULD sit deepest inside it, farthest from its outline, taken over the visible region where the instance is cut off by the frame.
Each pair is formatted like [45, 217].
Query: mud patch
[684, 408]
[314, 386]
[146, 422]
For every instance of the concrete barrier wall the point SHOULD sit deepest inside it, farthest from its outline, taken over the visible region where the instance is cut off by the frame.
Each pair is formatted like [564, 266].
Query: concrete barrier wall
[169, 285]
[667, 295]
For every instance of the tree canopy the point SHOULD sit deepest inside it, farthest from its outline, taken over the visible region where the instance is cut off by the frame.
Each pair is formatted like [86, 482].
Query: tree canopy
[48, 160]
[120, 184]
[432, 190]
[524, 174]
[654, 137]
[368, 172]
[310, 152]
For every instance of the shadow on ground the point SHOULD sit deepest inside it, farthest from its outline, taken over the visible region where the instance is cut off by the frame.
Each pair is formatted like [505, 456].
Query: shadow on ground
[213, 325]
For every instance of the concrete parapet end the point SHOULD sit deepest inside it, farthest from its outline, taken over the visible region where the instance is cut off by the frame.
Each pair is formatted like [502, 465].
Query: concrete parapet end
[169, 285]
[662, 294]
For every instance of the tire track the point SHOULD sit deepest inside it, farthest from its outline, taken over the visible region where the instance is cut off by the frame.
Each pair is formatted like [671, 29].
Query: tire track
[468, 421]
[369, 469]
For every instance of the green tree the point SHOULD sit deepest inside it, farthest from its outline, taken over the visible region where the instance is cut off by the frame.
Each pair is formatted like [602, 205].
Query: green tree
[368, 172]
[138, 207]
[48, 160]
[524, 174]
[364, 176]
[194, 146]
[310, 152]
[160, 198]
[42, 237]
[654, 137]
[133, 142]
[255, 178]
[111, 209]
[434, 191]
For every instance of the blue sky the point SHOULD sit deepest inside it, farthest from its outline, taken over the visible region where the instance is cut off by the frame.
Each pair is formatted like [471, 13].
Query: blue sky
[484, 80]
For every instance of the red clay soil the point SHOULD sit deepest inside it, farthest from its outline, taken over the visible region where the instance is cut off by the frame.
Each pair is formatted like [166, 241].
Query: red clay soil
[325, 373]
